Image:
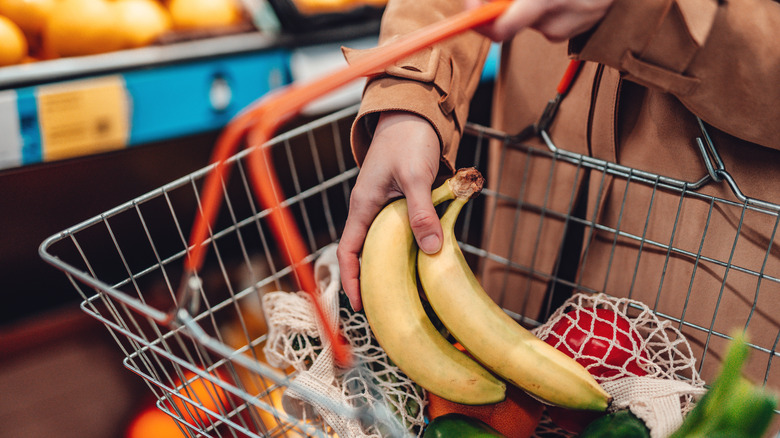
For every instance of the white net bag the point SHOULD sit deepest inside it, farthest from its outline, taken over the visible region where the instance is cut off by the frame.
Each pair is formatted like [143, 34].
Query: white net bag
[296, 338]
[644, 363]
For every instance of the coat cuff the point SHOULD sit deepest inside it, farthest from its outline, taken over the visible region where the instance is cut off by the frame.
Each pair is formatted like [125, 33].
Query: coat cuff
[652, 41]
[397, 94]
[421, 84]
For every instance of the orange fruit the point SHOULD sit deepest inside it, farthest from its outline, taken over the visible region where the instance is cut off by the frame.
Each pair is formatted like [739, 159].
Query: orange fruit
[515, 417]
[199, 394]
[13, 44]
[29, 15]
[153, 423]
[82, 27]
[236, 335]
[204, 14]
[141, 21]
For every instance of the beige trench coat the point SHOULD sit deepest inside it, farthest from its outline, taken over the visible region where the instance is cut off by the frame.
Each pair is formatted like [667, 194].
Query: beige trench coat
[650, 66]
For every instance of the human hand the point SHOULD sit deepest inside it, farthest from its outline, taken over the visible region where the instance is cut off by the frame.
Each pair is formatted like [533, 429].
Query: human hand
[403, 160]
[557, 20]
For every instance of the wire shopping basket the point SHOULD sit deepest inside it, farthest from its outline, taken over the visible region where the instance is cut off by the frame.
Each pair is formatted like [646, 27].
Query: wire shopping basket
[206, 369]
[124, 263]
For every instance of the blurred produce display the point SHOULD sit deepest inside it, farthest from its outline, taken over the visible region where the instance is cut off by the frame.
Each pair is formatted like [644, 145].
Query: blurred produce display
[13, 44]
[301, 16]
[335, 6]
[36, 30]
[204, 14]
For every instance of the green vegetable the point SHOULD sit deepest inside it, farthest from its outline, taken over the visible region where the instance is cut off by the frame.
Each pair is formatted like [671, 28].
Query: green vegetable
[620, 424]
[459, 426]
[733, 407]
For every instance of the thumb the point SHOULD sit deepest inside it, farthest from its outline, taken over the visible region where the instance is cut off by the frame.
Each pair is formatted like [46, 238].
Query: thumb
[424, 221]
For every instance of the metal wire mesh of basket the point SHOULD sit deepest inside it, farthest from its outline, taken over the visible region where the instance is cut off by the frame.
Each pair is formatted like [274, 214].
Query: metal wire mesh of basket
[207, 368]
[700, 254]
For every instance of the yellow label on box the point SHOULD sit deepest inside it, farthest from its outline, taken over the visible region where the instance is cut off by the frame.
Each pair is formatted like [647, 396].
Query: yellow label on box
[83, 117]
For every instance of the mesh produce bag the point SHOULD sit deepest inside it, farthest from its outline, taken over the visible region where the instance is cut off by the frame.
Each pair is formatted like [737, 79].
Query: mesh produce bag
[296, 338]
[656, 377]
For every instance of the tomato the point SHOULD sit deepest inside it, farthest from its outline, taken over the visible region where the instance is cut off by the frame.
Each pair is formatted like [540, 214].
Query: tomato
[592, 336]
[196, 392]
[604, 342]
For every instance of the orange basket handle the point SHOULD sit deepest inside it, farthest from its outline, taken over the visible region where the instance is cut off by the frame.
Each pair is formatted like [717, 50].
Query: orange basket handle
[260, 121]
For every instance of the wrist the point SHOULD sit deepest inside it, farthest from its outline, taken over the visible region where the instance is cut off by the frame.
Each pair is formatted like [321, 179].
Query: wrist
[408, 123]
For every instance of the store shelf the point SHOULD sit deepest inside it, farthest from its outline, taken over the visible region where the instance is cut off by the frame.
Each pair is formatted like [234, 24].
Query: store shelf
[37, 73]
[107, 112]
[73, 107]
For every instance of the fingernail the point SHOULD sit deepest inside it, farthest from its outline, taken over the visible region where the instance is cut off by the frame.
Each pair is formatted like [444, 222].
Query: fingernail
[430, 244]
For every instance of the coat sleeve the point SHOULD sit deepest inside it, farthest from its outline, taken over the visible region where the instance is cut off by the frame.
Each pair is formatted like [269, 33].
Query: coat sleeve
[436, 83]
[720, 58]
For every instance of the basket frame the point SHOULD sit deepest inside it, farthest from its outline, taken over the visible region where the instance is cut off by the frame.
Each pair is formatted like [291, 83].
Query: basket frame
[184, 320]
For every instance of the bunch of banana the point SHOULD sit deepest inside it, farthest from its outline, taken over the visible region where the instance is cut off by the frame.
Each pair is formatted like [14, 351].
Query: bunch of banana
[392, 304]
[388, 283]
[493, 337]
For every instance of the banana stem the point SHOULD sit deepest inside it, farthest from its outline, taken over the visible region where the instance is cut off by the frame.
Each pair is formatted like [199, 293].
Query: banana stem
[466, 183]
[442, 193]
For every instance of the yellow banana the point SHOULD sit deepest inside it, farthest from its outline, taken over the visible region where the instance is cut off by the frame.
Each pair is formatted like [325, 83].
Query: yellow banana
[391, 300]
[493, 337]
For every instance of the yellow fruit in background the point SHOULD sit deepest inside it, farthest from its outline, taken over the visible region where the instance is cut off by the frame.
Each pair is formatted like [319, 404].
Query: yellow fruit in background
[29, 15]
[203, 14]
[13, 45]
[82, 27]
[141, 21]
